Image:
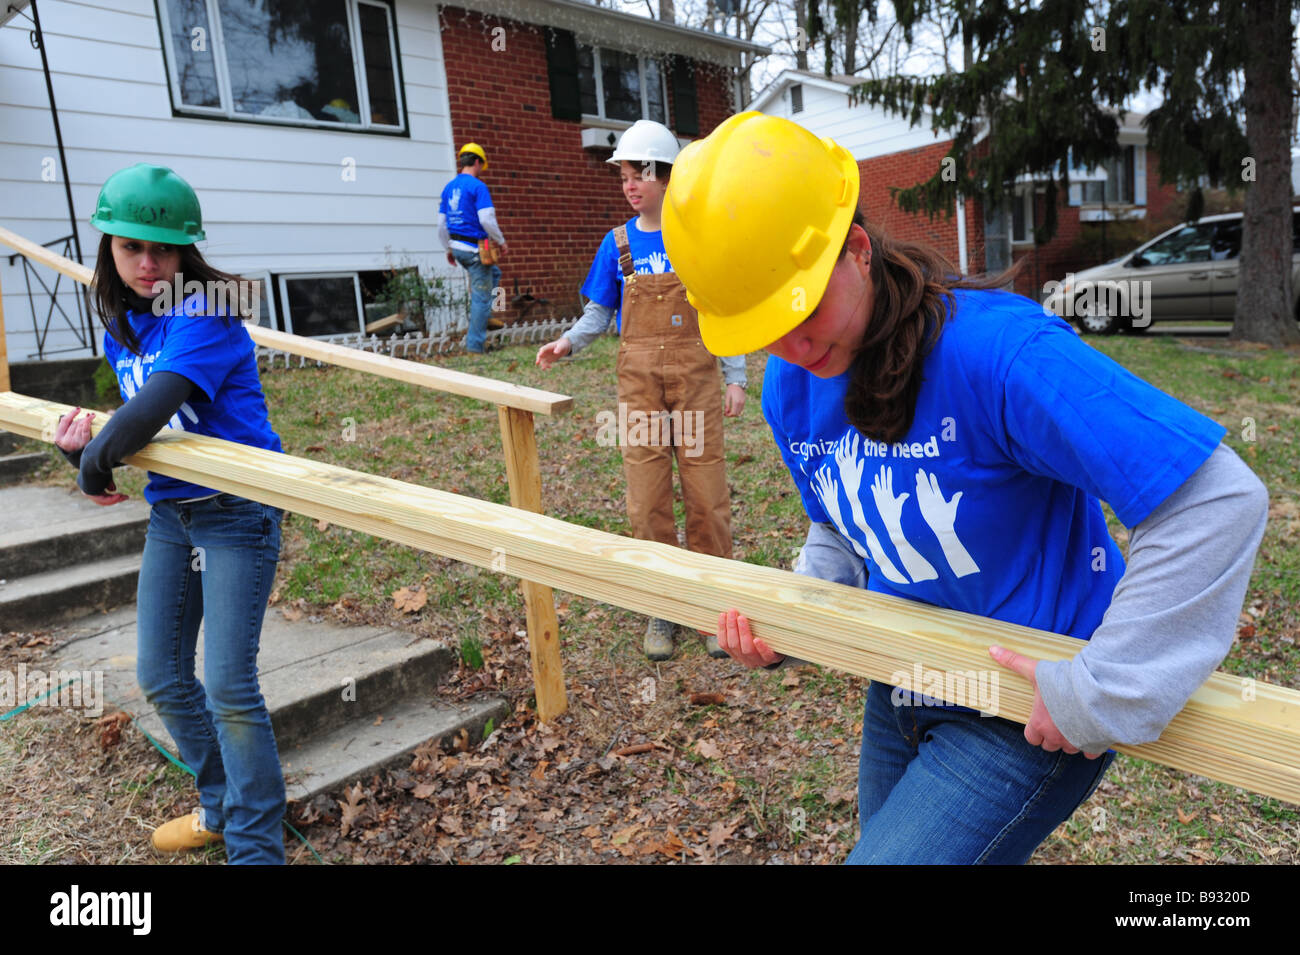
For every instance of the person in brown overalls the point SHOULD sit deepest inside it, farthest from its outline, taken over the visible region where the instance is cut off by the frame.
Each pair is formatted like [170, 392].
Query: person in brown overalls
[667, 381]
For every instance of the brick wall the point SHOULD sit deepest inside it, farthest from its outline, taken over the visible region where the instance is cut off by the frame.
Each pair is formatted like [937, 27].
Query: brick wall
[1049, 262]
[554, 200]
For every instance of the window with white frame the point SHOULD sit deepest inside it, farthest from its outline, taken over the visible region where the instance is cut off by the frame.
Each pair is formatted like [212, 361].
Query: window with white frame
[621, 86]
[1118, 187]
[276, 61]
[1022, 216]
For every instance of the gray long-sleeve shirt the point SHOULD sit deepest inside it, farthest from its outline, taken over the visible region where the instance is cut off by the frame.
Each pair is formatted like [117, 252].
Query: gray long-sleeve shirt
[595, 320]
[1172, 618]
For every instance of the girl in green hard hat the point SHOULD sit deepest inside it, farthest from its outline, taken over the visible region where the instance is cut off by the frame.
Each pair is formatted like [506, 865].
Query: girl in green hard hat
[209, 556]
[952, 443]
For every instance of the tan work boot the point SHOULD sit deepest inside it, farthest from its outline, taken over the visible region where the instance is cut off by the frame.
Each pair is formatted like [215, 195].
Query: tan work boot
[182, 833]
[659, 639]
[714, 650]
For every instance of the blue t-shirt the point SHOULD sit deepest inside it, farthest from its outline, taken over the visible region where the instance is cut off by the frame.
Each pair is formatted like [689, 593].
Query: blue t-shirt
[462, 198]
[217, 356]
[604, 284]
[990, 504]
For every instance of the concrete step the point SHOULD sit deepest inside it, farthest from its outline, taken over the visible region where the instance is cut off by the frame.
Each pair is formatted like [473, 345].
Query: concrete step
[42, 600]
[324, 685]
[15, 467]
[362, 747]
[88, 534]
[10, 442]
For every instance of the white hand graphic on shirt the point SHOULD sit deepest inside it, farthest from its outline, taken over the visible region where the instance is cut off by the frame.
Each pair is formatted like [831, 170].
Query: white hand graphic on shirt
[175, 421]
[658, 262]
[829, 492]
[941, 515]
[850, 467]
[891, 512]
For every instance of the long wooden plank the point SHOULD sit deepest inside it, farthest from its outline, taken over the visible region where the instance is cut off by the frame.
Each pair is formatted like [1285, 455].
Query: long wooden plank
[414, 373]
[4, 347]
[525, 477]
[1251, 743]
[426, 376]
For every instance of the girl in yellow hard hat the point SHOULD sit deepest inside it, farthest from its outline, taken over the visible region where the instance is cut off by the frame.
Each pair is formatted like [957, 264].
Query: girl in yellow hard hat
[668, 382]
[952, 444]
[208, 557]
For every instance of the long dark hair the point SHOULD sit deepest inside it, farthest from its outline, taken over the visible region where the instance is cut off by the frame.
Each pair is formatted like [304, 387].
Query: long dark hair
[112, 296]
[913, 285]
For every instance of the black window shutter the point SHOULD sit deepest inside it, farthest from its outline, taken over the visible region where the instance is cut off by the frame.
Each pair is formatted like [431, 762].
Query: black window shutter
[562, 70]
[686, 114]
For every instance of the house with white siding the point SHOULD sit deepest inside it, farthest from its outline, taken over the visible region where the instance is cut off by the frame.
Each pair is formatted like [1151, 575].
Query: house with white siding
[318, 135]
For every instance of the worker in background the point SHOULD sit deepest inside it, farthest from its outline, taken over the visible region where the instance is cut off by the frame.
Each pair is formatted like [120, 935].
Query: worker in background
[466, 217]
[664, 371]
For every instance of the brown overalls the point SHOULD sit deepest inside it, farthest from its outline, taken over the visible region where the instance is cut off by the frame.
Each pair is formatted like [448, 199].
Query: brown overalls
[663, 367]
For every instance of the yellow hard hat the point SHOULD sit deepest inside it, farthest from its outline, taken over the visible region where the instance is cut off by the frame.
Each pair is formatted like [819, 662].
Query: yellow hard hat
[753, 221]
[477, 150]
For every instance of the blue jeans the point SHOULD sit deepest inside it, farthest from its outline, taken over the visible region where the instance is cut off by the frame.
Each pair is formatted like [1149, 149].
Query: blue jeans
[942, 787]
[214, 560]
[482, 280]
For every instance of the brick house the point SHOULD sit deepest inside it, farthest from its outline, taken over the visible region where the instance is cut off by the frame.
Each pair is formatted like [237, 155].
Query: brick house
[891, 153]
[319, 145]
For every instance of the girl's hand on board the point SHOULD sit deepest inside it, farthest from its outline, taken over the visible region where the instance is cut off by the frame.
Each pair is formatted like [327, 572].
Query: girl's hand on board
[734, 637]
[73, 433]
[110, 496]
[1040, 730]
[552, 352]
[735, 403]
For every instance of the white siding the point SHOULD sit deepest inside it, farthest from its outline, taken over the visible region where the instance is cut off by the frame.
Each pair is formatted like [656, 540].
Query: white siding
[865, 131]
[274, 198]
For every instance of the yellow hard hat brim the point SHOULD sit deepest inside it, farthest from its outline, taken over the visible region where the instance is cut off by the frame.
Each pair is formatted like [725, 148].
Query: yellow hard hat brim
[715, 221]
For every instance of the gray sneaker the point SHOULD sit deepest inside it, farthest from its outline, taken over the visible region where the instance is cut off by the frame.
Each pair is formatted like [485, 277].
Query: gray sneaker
[659, 639]
[715, 651]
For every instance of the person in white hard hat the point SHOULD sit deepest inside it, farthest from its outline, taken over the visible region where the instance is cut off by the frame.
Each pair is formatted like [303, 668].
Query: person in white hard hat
[668, 382]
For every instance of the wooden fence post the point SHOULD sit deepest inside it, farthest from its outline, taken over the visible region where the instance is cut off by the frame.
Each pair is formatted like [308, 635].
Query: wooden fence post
[4, 348]
[519, 439]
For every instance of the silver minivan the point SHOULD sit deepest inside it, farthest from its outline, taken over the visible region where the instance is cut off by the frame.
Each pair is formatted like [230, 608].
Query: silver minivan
[1186, 274]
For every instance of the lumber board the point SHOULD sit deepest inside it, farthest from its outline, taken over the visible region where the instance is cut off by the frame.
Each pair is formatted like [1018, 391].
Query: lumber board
[399, 369]
[1251, 743]
[4, 347]
[388, 321]
[414, 373]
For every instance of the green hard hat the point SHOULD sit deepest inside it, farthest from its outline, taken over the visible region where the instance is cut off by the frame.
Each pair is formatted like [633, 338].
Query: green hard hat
[149, 203]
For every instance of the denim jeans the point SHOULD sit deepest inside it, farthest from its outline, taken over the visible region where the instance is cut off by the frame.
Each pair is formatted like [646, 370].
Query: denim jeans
[214, 560]
[482, 280]
[938, 786]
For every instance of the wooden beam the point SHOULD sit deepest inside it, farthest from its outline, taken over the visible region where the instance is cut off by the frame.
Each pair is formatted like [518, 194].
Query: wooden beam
[1248, 739]
[4, 347]
[414, 373]
[524, 474]
[399, 369]
[388, 321]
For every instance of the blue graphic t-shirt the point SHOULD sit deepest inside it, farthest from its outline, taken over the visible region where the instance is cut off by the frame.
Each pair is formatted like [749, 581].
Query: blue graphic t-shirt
[990, 504]
[462, 198]
[604, 284]
[216, 354]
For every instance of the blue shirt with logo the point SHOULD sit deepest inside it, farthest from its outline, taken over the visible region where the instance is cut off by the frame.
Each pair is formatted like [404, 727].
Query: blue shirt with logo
[604, 284]
[990, 503]
[216, 354]
[462, 198]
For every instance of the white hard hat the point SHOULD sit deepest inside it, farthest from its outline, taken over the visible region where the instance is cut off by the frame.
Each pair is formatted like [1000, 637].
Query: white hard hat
[646, 140]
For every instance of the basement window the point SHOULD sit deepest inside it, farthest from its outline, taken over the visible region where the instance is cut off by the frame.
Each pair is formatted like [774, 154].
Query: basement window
[260, 61]
[321, 304]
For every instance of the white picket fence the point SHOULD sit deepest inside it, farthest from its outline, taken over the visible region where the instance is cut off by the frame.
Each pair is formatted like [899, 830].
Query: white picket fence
[414, 345]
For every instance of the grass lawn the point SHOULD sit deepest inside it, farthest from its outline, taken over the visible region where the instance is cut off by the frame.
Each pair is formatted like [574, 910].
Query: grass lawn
[770, 773]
